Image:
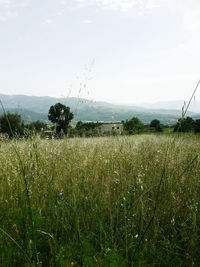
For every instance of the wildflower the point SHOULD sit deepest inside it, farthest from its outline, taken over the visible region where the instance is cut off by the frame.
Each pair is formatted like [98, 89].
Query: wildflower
[15, 228]
[173, 221]
[72, 263]
[117, 181]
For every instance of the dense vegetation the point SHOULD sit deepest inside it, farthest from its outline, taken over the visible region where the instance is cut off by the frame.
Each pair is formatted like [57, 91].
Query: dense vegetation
[12, 126]
[118, 201]
[187, 125]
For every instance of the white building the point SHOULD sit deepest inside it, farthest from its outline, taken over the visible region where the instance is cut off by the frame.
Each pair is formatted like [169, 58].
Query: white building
[111, 127]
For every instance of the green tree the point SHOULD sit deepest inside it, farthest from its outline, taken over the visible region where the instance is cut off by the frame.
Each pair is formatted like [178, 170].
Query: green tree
[133, 125]
[87, 125]
[87, 128]
[61, 116]
[156, 125]
[197, 126]
[185, 125]
[37, 126]
[11, 124]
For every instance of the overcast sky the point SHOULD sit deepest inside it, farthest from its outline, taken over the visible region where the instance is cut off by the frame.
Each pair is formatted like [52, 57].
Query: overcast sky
[121, 51]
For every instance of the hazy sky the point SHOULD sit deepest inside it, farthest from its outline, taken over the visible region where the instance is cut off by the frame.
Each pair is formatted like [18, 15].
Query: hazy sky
[125, 51]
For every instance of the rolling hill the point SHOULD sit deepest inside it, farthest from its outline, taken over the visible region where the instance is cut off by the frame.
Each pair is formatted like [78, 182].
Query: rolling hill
[36, 108]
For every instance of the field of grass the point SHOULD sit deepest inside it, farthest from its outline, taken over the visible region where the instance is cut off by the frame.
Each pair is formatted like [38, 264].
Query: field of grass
[116, 201]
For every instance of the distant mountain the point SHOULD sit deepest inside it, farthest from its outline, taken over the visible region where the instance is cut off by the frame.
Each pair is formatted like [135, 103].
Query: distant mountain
[36, 108]
[177, 105]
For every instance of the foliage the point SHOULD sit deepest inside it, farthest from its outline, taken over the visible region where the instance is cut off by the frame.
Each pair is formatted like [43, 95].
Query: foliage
[133, 125]
[121, 201]
[37, 126]
[197, 126]
[156, 125]
[60, 115]
[11, 124]
[185, 125]
[87, 125]
[86, 128]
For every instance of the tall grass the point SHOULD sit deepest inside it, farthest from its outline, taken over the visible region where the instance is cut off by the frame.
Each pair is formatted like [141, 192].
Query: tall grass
[118, 201]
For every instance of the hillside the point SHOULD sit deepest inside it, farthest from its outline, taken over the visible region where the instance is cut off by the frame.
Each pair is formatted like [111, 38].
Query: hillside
[36, 108]
[169, 105]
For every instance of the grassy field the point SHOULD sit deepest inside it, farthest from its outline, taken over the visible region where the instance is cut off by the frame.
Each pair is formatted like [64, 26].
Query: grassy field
[118, 201]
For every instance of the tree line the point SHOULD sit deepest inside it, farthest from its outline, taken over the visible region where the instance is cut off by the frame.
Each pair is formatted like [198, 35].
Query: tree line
[187, 125]
[12, 125]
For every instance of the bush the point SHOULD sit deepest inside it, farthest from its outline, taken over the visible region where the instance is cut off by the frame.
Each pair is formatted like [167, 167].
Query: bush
[11, 124]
